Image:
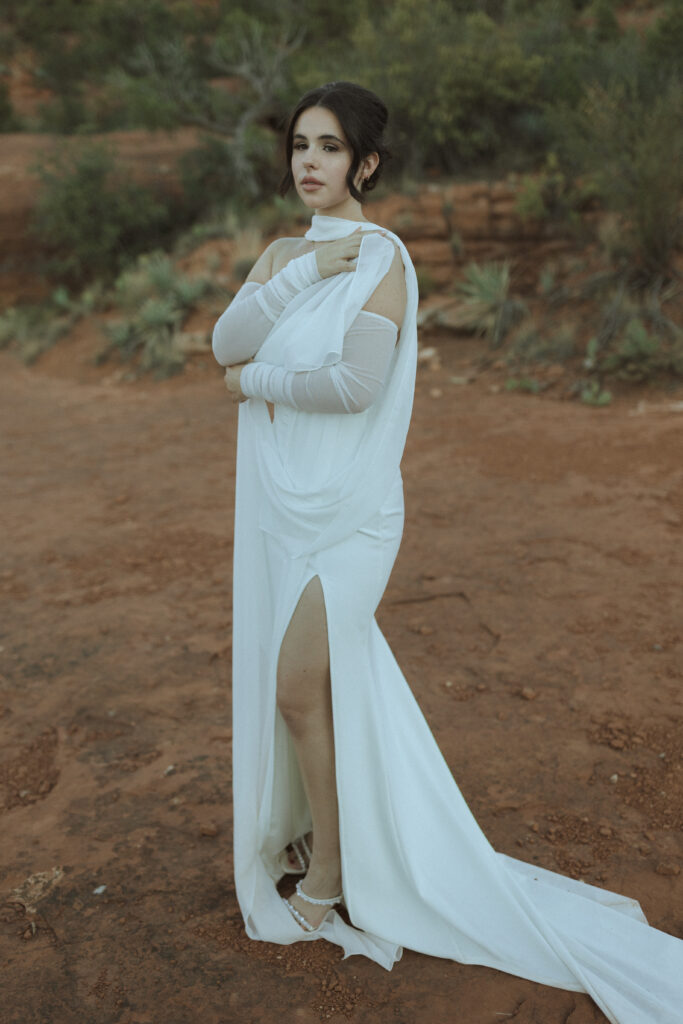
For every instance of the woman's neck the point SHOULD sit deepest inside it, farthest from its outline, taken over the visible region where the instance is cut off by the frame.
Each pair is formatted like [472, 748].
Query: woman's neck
[349, 209]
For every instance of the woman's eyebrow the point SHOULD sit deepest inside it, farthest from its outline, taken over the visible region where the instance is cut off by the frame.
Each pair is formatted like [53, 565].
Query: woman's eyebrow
[300, 136]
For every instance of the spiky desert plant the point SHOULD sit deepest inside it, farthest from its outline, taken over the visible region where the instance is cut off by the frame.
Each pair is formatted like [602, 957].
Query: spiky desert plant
[487, 307]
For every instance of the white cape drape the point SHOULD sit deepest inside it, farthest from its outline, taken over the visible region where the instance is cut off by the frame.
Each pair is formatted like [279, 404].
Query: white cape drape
[321, 494]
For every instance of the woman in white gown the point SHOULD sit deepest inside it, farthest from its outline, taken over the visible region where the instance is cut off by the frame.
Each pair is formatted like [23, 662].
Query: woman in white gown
[337, 775]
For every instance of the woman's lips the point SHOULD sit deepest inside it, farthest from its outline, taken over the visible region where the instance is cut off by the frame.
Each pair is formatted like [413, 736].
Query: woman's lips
[310, 184]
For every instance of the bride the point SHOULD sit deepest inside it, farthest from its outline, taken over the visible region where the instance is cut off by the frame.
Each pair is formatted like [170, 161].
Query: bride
[337, 776]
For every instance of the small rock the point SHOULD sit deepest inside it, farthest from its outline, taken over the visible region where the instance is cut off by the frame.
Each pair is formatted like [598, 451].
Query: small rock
[482, 687]
[668, 868]
[528, 693]
[170, 770]
[617, 744]
[435, 392]
[449, 682]
[606, 831]
[614, 778]
[649, 835]
[209, 829]
[99, 890]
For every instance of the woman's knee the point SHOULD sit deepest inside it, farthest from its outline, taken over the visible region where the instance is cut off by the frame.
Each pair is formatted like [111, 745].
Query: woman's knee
[303, 663]
[301, 693]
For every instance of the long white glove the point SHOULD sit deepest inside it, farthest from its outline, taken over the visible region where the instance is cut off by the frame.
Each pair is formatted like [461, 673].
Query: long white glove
[243, 327]
[348, 386]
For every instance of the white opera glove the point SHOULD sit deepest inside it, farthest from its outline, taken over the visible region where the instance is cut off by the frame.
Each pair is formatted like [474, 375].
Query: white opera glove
[348, 386]
[243, 327]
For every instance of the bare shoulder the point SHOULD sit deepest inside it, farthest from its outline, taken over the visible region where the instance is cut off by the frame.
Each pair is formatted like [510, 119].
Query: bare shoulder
[390, 296]
[275, 257]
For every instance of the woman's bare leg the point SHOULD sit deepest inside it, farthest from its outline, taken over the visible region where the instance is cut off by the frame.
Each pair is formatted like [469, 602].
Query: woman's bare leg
[304, 697]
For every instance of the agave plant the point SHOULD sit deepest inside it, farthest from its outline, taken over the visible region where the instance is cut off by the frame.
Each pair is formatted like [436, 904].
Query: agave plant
[487, 307]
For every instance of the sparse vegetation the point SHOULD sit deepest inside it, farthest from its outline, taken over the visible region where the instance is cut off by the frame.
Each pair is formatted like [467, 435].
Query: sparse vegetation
[578, 109]
[93, 219]
[33, 329]
[487, 307]
[160, 298]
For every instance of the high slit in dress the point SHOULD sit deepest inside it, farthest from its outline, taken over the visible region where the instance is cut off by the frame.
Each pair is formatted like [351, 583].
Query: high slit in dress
[322, 495]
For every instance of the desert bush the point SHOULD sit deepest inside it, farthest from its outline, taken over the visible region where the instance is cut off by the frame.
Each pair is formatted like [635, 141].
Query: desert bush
[93, 219]
[627, 145]
[8, 119]
[159, 298]
[591, 392]
[637, 354]
[664, 42]
[487, 307]
[533, 344]
[32, 330]
[551, 195]
[454, 83]
[154, 275]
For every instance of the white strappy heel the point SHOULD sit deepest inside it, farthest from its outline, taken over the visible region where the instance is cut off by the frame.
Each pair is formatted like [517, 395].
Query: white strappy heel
[303, 855]
[306, 925]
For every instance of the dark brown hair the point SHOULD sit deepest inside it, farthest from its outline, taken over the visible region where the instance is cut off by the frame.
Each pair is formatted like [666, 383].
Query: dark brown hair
[363, 118]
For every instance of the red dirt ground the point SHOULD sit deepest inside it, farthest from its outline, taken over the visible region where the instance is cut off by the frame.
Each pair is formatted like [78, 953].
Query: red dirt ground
[535, 609]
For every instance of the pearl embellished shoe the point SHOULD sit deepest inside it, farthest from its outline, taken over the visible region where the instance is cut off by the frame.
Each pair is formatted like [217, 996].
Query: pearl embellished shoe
[306, 925]
[303, 854]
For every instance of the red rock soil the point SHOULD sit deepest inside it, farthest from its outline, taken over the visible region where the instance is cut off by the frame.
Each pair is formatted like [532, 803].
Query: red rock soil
[535, 609]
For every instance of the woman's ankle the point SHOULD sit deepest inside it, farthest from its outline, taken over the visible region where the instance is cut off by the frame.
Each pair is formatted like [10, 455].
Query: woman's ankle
[323, 876]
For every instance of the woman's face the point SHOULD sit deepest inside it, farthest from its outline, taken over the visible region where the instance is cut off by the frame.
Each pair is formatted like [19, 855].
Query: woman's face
[321, 158]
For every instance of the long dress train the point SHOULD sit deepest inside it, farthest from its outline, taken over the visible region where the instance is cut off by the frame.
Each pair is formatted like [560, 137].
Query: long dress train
[321, 494]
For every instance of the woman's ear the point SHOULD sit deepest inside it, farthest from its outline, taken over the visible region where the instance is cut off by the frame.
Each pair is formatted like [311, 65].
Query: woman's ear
[371, 164]
[368, 166]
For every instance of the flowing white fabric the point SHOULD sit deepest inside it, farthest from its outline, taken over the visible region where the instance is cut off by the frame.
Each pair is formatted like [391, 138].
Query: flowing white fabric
[321, 494]
[350, 385]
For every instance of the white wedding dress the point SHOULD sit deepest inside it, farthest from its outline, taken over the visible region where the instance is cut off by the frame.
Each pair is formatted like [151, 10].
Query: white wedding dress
[321, 494]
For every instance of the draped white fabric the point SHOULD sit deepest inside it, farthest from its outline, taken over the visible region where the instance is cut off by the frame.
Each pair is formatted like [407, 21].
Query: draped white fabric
[321, 494]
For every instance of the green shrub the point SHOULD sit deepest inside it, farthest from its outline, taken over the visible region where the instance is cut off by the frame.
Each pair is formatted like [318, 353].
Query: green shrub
[628, 145]
[31, 330]
[91, 217]
[638, 355]
[528, 384]
[664, 41]
[551, 195]
[487, 307]
[160, 297]
[533, 345]
[454, 83]
[591, 393]
[8, 120]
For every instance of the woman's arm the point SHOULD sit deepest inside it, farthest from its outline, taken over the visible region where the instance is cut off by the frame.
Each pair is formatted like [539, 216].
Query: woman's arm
[353, 383]
[243, 327]
[347, 386]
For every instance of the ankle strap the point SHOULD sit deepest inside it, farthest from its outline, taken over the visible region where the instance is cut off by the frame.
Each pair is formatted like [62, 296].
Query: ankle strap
[311, 899]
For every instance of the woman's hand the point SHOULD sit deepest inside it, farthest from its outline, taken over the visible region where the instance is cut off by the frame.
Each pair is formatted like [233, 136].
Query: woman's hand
[340, 256]
[232, 382]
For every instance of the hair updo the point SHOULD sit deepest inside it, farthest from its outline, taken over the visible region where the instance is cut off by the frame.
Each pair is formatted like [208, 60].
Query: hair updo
[363, 117]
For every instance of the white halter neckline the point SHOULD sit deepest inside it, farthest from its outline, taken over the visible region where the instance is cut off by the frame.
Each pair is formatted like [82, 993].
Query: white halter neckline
[328, 229]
